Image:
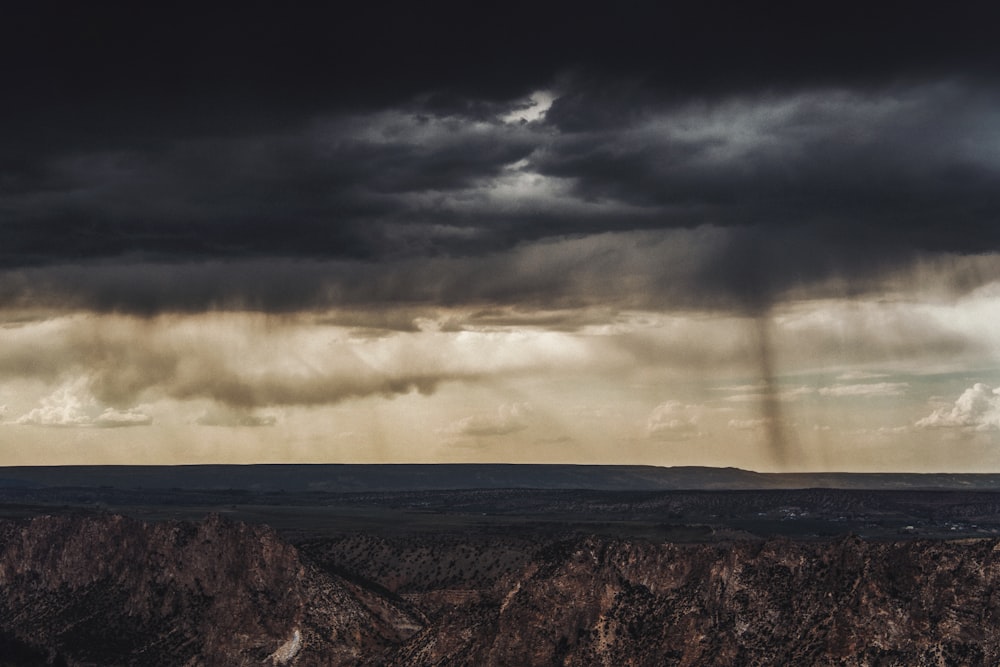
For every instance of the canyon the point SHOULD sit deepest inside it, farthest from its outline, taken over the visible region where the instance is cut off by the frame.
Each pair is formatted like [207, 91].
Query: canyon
[500, 578]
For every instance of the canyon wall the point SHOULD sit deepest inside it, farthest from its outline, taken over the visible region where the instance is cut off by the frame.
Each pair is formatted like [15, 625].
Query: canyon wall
[115, 591]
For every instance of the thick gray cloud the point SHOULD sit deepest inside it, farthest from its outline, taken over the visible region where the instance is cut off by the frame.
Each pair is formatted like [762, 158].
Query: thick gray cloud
[897, 169]
[921, 160]
[311, 158]
[574, 279]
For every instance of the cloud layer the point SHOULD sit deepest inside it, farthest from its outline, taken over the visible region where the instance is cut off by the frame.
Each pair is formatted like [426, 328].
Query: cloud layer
[782, 190]
[382, 215]
[313, 158]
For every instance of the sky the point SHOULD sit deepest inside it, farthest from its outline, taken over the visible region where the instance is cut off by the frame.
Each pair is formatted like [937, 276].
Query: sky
[730, 235]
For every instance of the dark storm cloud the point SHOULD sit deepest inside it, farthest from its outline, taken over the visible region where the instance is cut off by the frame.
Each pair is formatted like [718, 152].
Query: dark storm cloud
[562, 284]
[920, 159]
[625, 270]
[915, 168]
[153, 156]
[199, 63]
[326, 190]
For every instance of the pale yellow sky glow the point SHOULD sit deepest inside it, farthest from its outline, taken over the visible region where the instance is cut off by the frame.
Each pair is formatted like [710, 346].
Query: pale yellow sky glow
[889, 381]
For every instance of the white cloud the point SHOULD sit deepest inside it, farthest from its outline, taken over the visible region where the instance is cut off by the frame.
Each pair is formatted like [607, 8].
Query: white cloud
[72, 405]
[672, 421]
[534, 108]
[866, 389]
[509, 418]
[977, 409]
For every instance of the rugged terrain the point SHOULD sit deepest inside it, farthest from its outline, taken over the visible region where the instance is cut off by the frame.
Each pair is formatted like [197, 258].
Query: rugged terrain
[592, 601]
[103, 589]
[115, 591]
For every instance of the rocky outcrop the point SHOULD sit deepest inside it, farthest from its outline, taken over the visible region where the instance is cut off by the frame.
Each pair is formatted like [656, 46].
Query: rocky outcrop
[114, 591]
[847, 602]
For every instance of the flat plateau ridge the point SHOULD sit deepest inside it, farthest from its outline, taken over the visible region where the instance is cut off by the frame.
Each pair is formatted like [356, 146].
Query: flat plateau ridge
[416, 477]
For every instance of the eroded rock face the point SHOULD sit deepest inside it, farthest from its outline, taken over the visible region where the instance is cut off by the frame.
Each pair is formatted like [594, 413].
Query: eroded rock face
[847, 602]
[114, 591]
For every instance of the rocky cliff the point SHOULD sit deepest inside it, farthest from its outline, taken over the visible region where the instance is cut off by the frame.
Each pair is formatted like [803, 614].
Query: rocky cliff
[778, 603]
[115, 591]
[612, 602]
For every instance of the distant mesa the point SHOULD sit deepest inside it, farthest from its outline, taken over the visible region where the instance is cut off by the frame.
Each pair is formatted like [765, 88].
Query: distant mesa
[347, 478]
